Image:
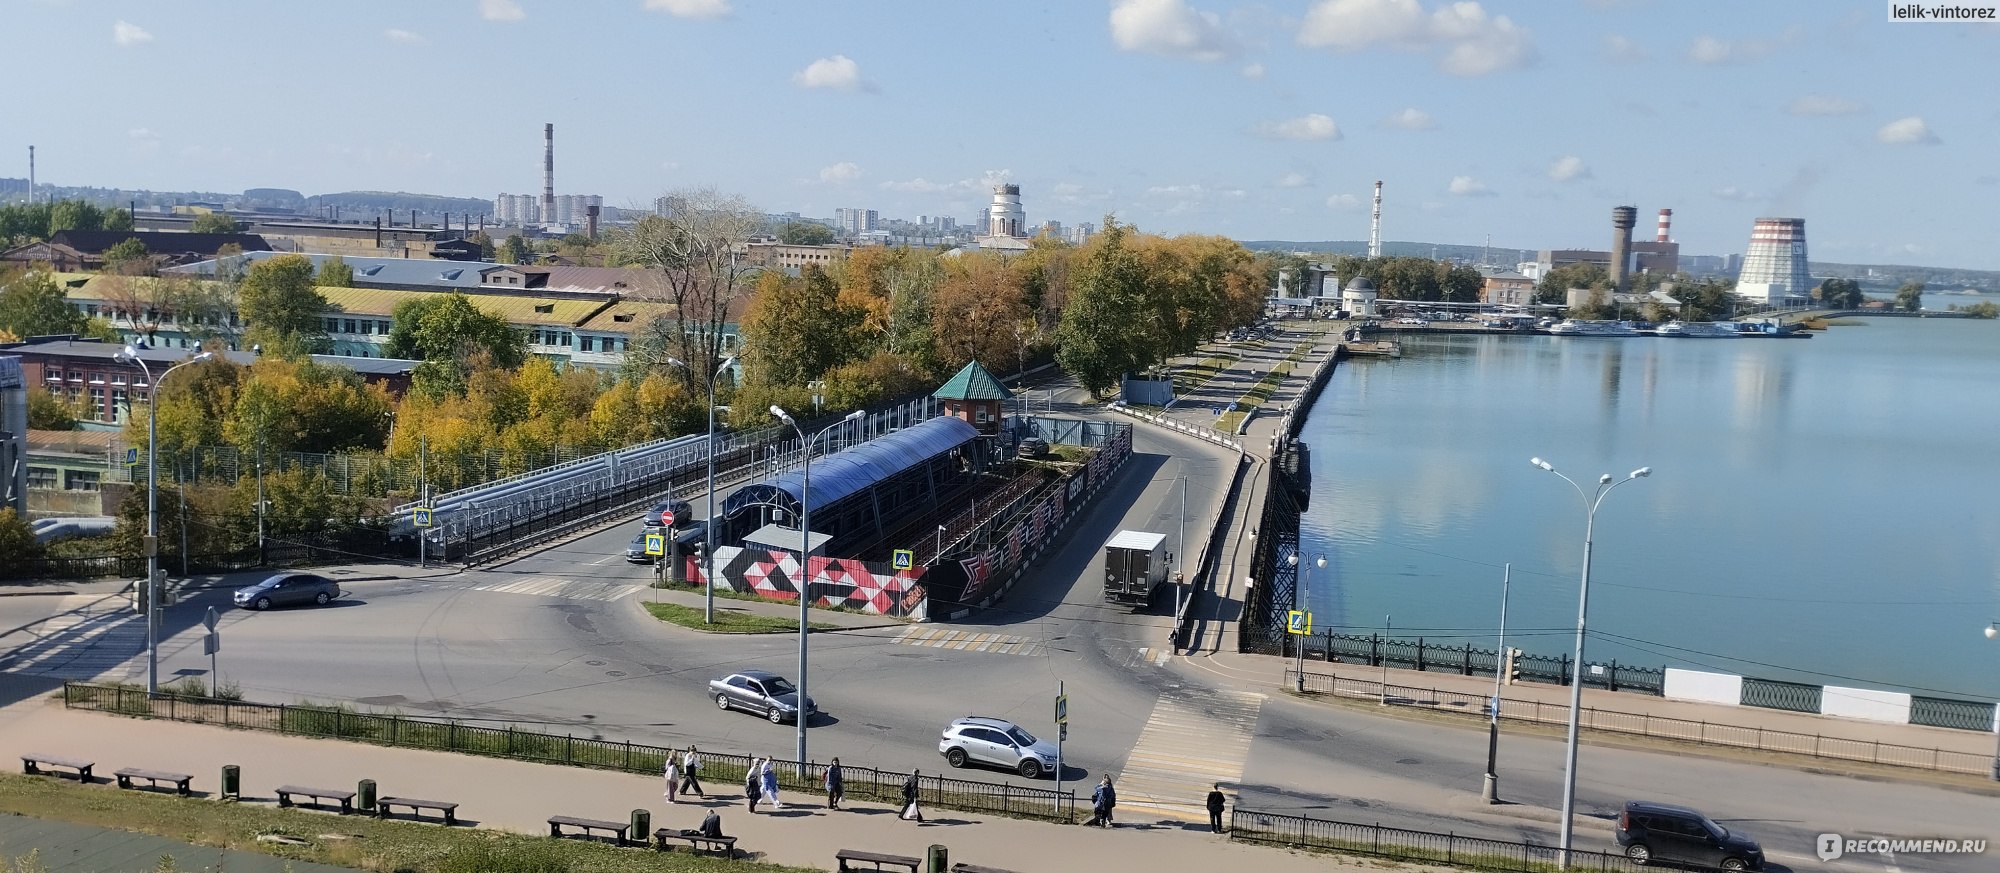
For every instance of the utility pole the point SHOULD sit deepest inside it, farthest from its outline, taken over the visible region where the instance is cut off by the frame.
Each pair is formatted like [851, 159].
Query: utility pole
[423, 497]
[183, 489]
[262, 557]
[1491, 789]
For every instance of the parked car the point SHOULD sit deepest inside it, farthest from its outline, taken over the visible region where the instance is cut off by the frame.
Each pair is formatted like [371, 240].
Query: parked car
[1649, 832]
[766, 694]
[1414, 322]
[635, 551]
[288, 589]
[996, 742]
[669, 513]
[1034, 447]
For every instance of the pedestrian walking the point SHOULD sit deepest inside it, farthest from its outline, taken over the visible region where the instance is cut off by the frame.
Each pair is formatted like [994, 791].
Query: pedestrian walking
[1215, 804]
[673, 774]
[691, 773]
[836, 788]
[753, 783]
[770, 785]
[911, 812]
[1102, 799]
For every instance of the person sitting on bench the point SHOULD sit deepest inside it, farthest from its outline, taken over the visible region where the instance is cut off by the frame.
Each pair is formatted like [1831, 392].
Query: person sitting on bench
[711, 826]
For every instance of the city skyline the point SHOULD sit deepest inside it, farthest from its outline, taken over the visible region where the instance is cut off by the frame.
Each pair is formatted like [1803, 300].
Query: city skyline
[1521, 121]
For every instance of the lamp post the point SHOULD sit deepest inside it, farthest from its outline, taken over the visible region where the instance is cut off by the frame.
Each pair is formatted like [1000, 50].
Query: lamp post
[1992, 632]
[708, 533]
[1590, 503]
[805, 551]
[1491, 791]
[130, 354]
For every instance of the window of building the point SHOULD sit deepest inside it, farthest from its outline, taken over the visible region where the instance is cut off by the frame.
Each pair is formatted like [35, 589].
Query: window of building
[82, 480]
[367, 327]
[545, 308]
[120, 402]
[96, 411]
[96, 378]
[42, 478]
[348, 324]
[586, 344]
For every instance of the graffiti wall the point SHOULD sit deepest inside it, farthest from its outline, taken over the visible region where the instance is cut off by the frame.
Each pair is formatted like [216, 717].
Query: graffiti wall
[874, 588]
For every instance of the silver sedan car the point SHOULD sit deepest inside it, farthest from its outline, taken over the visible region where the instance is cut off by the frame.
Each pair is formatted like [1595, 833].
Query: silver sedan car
[766, 694]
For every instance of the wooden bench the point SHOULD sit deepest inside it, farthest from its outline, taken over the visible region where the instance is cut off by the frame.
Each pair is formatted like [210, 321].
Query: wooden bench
[975, 868]
[449, 809]
[33, 764]
[726, 846]
[154, 778]
[881, 861]
[319, 795]
[617, 829]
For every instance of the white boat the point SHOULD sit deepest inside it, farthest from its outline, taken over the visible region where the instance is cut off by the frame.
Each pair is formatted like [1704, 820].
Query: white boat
[1671, 328]
[1574, 327]
[1709, 329]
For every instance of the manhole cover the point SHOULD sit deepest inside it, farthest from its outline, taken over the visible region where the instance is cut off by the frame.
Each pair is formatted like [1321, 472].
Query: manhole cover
[615, 674]
[1408, 761]
[595, 663]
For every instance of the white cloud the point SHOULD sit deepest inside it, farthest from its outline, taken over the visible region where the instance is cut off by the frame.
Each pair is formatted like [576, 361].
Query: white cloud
[1620, 50]
[145, 141]
[1410, 119]
[1306, 127]
[1294, 180]
[1907, 131]
[837, 73]
[702, 9]
[841, 173]
[1252, 71]
[1466, 186]
[1473, 43]
[1821, 104]
[921, 185]
[127, 34]
[1731, 192]
[501, 10]
[1568, 168]
[1170, 28]
[1344, 202]
[1712, 51]
[405, 37]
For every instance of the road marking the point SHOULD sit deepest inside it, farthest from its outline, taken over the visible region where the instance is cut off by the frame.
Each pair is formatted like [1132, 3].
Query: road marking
[967, 641]
[79, 645]
[1194, 739]
[549, 586]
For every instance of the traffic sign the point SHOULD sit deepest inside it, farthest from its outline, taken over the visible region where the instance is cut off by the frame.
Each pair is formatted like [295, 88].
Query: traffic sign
[211, 643]
[423, 516]
[209, 620]
[656, 544]
[1298, 622]
[903, 559]
[1062, 731]
[1062, 709]
[131, 457]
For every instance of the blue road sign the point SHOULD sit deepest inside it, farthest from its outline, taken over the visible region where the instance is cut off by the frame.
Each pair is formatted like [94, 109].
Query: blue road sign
[131, 457]
[423, 516]
[1298, 622]
[902, 559]
[656, 544]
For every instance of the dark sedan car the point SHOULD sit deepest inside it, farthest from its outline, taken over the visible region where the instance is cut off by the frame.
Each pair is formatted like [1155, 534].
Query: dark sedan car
[669, 513]
[288, 589]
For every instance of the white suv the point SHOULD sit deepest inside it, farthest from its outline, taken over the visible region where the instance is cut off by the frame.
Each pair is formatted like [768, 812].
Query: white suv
[996, 742]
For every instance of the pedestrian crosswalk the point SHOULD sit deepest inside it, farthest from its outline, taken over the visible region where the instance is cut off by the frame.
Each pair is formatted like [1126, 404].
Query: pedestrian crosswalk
[86, 639]
[568, 589]
[969, 641]
[1194, 739]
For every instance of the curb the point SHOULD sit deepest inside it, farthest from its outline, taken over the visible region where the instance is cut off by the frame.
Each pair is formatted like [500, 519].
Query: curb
[47, 593]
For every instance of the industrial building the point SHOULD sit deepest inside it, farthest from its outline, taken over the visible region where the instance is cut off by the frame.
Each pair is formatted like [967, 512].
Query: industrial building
[1774, 266]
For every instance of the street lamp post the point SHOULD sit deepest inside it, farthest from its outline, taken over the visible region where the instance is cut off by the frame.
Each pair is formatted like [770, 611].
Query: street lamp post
[804, 583]
[1590, 503]
[708, 533]
[1992, 632]
[131, 355]
[1305, 572]
[1491, 791]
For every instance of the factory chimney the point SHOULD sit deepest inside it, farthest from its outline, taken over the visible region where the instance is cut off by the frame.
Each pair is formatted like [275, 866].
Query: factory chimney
[548, 173]
[1375, 227]
[590, 213]
[1622, 219]
[31, 174]
[1666, 221]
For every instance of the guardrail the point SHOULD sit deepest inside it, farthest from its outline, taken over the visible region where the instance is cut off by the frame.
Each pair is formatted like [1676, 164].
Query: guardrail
[1642, 724]
[1331, 835]
[1211, 554]
[1163, 421]
[416, 732]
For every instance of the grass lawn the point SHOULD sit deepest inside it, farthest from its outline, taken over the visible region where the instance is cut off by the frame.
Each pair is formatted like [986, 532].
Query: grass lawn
[371, 843]
[727, 621]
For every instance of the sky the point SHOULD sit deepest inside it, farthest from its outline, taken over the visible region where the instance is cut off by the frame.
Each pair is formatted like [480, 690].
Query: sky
[1522, 121]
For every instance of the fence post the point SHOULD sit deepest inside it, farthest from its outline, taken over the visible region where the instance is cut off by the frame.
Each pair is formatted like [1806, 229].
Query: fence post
[1420, 654]
[569, 744]
[1466, 668]
[1613, 680]
[1374, 649]
[336, 724]
[628, 754]
[282, 720]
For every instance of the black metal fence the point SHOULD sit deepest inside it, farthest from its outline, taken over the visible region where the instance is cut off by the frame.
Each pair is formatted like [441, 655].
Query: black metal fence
[1470, 660]
[391, 729]
[1328, 835]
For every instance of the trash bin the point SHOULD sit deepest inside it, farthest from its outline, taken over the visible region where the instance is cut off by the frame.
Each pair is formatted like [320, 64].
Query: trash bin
[232, 782]
[364, 795]
[939, 860]
[642, 826]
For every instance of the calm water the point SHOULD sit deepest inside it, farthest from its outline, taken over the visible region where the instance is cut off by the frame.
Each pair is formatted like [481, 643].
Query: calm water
[1822, 510]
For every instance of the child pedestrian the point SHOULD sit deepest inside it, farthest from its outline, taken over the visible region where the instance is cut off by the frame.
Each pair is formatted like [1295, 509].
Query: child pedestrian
[835, 789]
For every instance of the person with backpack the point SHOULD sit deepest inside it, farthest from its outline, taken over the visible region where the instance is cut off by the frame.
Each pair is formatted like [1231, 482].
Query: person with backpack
[835, 789]
[911, 812]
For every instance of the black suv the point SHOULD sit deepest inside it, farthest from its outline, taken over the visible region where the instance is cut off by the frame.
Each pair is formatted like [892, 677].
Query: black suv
[1650, 832]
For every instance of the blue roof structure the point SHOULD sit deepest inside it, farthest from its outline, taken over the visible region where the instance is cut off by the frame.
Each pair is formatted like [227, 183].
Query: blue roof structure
[377, 272]
[856, 469]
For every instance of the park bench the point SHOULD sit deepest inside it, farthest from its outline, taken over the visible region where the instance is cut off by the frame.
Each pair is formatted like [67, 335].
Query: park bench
[154, 778]
[320, 796]
[881, 861]
[726, 846]
[617, 829]
[975, 868]
[33, 764]
[449, 809]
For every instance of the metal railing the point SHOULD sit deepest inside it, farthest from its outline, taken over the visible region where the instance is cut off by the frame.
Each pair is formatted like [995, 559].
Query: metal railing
[1642, 724]
[1477, 853]
[416, 732]
[1470, 660]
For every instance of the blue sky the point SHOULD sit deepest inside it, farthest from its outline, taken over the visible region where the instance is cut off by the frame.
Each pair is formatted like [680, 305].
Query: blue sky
[1523, 119]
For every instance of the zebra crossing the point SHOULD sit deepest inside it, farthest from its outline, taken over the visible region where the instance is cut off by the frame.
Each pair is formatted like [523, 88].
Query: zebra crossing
[568, 589]
[1194, 739]
[89, 637]
[968, 641]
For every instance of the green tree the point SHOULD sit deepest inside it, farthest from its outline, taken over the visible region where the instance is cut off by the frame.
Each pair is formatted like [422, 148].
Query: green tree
[34, 305]
[797, 329]
[334, 273]
[74, 215]
[213, 222]
[805, 233]
[515, 251]
[128, 257]
[1984, 309]
[47, 412]
[1910, 297]
[1459, 283]
[448, 333]
[1840, 294]
[1556, 284]
[1098, 340]
[117, 219]
[485, 244]
[17, 541]
[283, 308]
[306, 407]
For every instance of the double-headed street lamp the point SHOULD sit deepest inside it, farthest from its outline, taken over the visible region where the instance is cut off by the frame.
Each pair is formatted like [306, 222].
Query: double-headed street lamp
[1300, 643]
[130, 355]
[1590, 503]
[804, 582]
[708, 534]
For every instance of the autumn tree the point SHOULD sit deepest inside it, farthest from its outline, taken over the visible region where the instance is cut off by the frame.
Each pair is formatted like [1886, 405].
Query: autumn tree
[692, 255]
[797, 329]
[283, 308]
[203, 308]
[193, 407]
[805, 233]
[17, 542]
[334, 272]
[302, 406]
[975, 312]
[129, 257]
[447, 332]
[213, 222]
[1099, 338]
[48, 412]
[32, 304]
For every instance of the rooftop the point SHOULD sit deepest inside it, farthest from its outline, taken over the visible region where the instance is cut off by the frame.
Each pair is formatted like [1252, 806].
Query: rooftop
[80, 347]
[973, 382]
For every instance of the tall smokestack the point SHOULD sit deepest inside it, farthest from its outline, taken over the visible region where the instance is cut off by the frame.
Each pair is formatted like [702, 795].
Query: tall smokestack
[590, 212]
[1375, 227]
[1622, 219]
[31, 174]
[1666, 222]
[548, 173]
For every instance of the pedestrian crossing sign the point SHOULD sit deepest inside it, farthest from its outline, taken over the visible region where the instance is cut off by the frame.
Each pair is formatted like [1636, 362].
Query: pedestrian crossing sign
[422, 516]
[656, 544]
[131, 457]
[903, 559]
[1298, 621]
